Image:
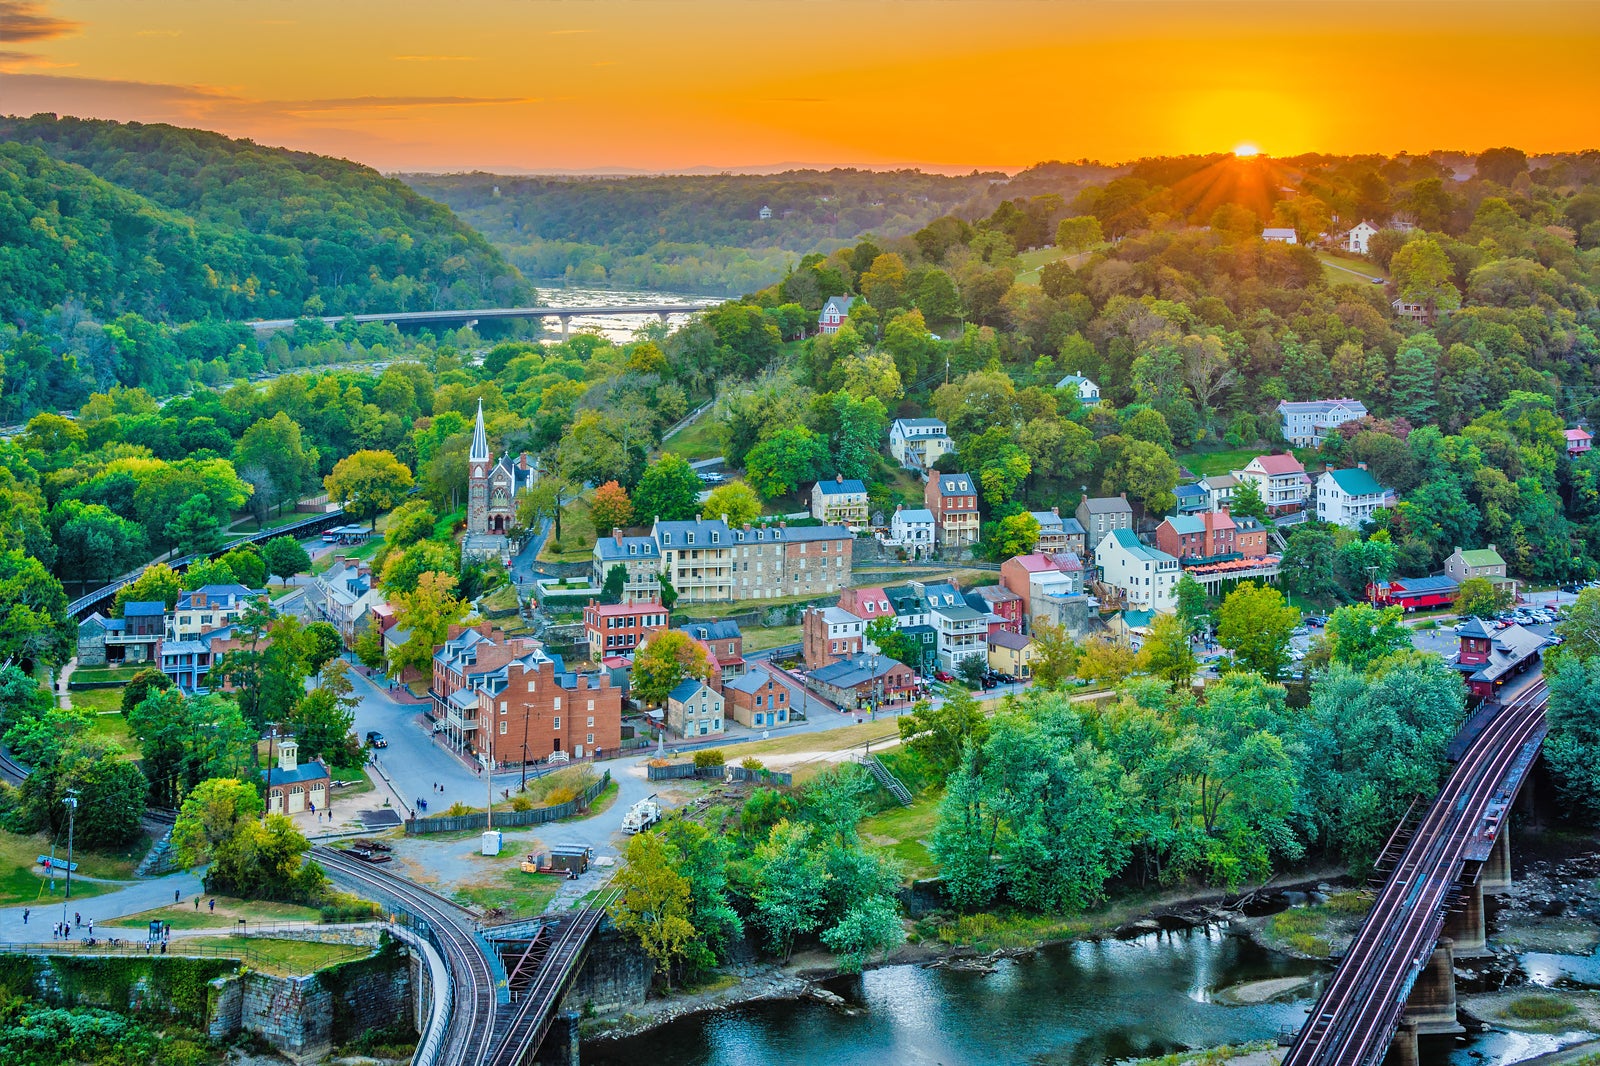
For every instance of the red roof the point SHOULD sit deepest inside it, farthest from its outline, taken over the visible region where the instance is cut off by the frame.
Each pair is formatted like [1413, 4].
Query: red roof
[606, 610]
[1579, 434]
[1278, 465]
[1034, 563]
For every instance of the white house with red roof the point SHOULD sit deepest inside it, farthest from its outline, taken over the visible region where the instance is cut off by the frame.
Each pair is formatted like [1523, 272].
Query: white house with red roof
[1579, 440]
[1280, 479]
[867, 603]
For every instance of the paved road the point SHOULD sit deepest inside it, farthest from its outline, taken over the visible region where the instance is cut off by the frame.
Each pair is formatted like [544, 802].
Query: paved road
[136, 897]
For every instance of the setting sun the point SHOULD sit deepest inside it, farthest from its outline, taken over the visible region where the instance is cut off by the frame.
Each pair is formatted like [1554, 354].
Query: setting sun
[1247, 151]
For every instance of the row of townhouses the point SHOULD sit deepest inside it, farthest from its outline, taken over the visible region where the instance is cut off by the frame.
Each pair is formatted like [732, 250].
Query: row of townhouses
[709, 561]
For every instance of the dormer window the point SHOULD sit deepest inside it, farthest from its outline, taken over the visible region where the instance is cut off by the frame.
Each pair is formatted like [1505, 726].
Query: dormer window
[633, 549]
[688, 538]
[716, 538]
[666, 538]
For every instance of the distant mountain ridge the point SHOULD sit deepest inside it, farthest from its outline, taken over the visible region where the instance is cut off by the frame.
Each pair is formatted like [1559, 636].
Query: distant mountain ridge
[180, 225]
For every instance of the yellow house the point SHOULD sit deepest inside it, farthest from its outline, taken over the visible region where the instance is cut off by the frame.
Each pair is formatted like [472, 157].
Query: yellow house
[1010, 653]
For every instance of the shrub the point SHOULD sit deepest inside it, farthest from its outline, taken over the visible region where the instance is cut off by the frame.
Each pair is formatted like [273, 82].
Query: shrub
[750, 762]
[559, 795]
[710, 757]
[521, 803]
[457, 809]
[1540, 1008]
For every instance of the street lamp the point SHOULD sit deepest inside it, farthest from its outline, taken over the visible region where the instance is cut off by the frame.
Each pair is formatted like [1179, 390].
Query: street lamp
[877, 686]
[71, 801]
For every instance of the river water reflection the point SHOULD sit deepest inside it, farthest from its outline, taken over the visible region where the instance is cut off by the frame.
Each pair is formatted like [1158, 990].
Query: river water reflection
[1079, 1004]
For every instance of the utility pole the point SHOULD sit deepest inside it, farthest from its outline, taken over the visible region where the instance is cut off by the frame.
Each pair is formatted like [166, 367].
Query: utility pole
[488, 775]
[72, 812]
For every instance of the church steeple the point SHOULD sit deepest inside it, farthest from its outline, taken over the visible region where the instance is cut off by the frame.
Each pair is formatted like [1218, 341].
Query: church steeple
[480, 440]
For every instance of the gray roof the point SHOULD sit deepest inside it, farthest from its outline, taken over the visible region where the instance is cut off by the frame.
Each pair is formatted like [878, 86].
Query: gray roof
[309, 771]
[1006, 639]
[723, 630]
[609, 550]
[1511, 646]
[750, 682]
[954, 485]
[479, 453]
[848, 673]
[1107, 505]
[920, 423]
[686, 689]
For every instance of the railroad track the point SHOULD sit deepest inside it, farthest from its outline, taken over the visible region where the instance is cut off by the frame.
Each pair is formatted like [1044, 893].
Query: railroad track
[528, 1026]
[1355, 1017]
[472, 993]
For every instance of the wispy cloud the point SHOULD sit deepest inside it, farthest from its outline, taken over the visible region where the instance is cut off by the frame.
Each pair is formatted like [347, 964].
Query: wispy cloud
[27, 20]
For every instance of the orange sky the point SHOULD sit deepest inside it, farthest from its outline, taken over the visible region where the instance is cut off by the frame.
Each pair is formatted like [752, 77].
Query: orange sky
[674, 84]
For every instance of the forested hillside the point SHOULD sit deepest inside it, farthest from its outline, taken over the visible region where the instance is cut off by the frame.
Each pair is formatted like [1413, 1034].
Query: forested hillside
[115, 237]
[704, 234]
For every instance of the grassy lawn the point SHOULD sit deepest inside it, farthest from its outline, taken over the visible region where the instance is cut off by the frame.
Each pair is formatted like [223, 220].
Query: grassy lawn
[112, 726]
[24, 851]
[359, 551]
[770, 637]
[443, 528]
[1205, 464]
[842, 739]
[1340, 269]
[356, 780]
[107, 673]
[702, 440]
[502, 599]
[286, 958]
[1033, 262]
[97, 700]
[21, 887]
[577, 536]
[601, 804]
[227, 914]
[902, 832]
[512, 892]
[989, 931]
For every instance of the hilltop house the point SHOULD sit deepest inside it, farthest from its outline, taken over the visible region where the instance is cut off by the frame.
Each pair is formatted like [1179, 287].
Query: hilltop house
[839, 502]
[1280, 479]
[917, 443]
[1579, 440]
[1349, 497]
[1058, 534]
[833, 313]
[1356, 240]
[1088, 392]
[1306, 423]
[1280, 235]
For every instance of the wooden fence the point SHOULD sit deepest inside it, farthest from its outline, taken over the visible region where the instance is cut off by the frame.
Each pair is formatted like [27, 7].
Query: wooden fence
[672, 771]
[447, 823]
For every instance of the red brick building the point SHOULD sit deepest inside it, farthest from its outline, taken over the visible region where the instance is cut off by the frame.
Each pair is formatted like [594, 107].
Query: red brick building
[829, 634]
[618, 628]
[530, 711]
[953, 499]
[758, 700]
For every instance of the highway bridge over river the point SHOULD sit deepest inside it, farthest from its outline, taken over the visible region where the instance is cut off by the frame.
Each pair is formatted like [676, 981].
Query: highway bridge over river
[483, 314]
[1397, 979]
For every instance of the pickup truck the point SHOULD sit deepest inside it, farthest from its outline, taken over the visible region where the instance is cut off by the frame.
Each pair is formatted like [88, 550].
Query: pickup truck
[376, 739]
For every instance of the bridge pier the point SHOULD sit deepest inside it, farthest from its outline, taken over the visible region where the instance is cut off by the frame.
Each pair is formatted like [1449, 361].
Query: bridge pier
[663, 316]
[566, 322]
[1431, 1007]
[560, 1047]
[1465, 924]
[1497, 868]
[1403, 1049]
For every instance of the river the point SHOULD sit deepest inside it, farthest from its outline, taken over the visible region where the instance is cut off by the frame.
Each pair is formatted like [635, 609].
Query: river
[1086, 1003]
[616, 330]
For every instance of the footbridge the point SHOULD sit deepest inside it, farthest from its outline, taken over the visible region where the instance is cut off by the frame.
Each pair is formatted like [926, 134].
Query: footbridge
[1397, 979]
[505, 984]
[473, 316]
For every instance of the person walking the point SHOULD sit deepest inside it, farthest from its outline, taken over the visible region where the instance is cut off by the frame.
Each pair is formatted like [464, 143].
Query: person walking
[24, 916]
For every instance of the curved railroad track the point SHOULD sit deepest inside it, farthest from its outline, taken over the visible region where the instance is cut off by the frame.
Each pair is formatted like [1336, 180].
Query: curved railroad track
[453, 930]
[1356, 1016]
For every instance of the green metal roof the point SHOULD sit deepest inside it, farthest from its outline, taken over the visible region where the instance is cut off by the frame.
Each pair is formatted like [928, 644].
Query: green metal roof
[1482, 557]
[1356, 482]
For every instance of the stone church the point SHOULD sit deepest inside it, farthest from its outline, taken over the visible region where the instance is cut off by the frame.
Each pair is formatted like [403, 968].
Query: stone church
[492, 489]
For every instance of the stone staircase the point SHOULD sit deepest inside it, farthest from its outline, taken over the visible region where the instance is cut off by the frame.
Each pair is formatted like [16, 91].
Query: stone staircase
[887, 780]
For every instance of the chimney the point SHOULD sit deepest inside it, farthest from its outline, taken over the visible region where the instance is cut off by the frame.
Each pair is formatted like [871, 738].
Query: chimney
[616, 535]
[899, 507]
[1056, 511]
[1361, 466]
[1491, 548]
[1124, 495]
[838, 479]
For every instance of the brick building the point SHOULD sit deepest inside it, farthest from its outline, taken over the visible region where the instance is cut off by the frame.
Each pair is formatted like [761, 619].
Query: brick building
[618, 628]
[758, 700]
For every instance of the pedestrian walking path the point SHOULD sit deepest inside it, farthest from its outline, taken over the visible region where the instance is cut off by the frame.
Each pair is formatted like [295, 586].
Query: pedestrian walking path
[136, 897]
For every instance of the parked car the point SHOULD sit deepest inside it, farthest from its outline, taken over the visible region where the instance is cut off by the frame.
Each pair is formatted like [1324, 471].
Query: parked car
[943, 675]
[376, 739]
[711, 477]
